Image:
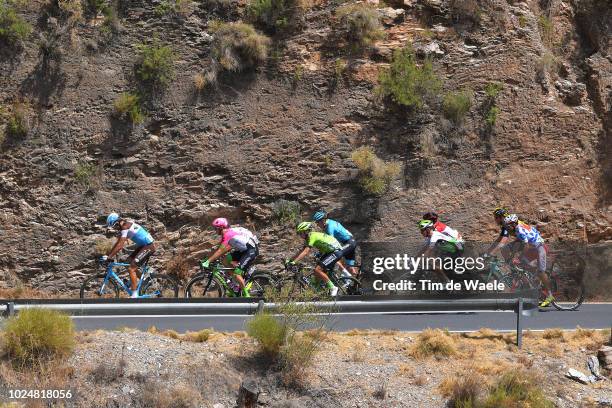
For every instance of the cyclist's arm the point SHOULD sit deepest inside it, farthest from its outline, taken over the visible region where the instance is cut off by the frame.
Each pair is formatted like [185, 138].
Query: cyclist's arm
[222, 250]
[298, 257]
[117, 247]
[497, 244]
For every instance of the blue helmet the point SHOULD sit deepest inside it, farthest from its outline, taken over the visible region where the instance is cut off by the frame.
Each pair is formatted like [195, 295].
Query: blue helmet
[112, 219]
[319, 215]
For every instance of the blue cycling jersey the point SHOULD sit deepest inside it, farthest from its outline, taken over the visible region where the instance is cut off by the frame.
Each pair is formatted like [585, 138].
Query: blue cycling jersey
[137, 234]
[336, 230]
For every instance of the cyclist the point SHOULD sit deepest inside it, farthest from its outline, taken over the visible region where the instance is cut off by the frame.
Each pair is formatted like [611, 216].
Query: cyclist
[504, 235]
[337, 230]
[137, 234]
[529, 238]
[441, 227]
[328, 246]
[244, 247]
[438, 244]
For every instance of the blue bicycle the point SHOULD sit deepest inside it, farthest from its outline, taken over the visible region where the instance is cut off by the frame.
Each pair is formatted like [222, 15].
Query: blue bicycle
[111, 285]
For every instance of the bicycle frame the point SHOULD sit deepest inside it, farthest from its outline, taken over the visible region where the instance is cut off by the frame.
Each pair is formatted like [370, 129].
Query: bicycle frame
[220, 272]
[111, 274]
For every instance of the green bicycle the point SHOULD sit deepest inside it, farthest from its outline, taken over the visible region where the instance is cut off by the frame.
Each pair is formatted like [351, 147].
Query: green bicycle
[215, 282]
[298, 278]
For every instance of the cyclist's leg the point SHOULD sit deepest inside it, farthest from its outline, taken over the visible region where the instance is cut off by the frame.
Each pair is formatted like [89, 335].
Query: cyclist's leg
[137, 258]
[542, 270]
[348, 252]
[246, 259]
[326, 263]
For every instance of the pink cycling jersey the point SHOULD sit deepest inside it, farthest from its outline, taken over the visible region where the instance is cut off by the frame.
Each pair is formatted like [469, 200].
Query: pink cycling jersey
[238, 238]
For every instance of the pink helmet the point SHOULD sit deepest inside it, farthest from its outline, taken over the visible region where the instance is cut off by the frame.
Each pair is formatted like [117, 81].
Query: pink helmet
[220, 223]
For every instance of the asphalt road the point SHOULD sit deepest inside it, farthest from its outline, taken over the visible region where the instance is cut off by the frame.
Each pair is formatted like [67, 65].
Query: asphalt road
[592, 316]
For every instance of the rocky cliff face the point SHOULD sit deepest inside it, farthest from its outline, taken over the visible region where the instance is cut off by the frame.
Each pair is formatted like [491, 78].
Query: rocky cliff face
[287, 130]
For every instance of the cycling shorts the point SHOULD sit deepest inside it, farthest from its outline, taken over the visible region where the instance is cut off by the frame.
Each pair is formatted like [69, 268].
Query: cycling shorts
[142, 254]
[328, 261]
[348, 251]
[533, 253]
[245, 258]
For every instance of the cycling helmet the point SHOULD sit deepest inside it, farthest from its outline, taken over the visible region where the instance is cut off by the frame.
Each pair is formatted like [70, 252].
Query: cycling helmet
[510, 219]
[112, 219]
[501, 212]
[220, 223]
[304, 226]
[319, 215]
[424, 224]
[432, 216]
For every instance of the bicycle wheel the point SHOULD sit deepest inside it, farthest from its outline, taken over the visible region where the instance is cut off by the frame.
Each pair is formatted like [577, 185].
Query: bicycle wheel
[259, 283]
[348, 285]
[199, 287]
[568, 295]
[289, 287]
[513, 283]
[159, 286]
[95, 288]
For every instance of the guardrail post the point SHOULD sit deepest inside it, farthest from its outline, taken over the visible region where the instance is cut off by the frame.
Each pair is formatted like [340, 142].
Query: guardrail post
[260, 306]
[519, 325]
[10, 309]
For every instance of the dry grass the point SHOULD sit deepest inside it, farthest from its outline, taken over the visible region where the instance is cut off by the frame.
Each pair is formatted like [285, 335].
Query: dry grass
[107, 373]
[103, 246]
[553, 334]
[199, 82]
[380, 392]
[161, 395]
[359, 353]
[21, 291]
[179, 266]
[462, 390]
[420, 380]
[434, 342]
[200, 336]
[405, 370]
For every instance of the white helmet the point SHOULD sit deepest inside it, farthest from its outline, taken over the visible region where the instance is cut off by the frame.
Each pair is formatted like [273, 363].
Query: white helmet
[510, 219]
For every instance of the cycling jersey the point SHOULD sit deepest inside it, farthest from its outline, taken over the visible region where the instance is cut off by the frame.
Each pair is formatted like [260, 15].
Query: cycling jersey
[445, 242]
[238, 238]
[336, 230]
[528, 234]
[322, 242]
[137, 234]
[445, 229]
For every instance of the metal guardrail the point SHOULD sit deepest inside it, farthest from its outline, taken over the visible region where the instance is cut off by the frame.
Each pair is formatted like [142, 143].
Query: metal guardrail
[521, 306]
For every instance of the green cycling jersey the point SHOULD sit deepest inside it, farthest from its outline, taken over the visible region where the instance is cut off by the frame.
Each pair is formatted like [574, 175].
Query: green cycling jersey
[322, 242]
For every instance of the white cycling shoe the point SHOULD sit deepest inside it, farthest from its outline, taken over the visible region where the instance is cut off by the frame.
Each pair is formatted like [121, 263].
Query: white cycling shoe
[333, 291]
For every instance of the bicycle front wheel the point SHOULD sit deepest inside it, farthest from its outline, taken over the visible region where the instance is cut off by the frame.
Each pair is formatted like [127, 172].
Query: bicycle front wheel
[348, 286]
[259, 283]
[199, 287]
[159, 286]
[94, 287]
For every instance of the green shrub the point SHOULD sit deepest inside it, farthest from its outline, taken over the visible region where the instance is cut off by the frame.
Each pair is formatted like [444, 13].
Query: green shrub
[83, 174]
[340, 67]
[16, 123]
[376, 175]
[456, 105]
[286, 211]
[361, 23]
[269, 332]
[36, 335]
[155, 64]
[407, 83]
[516, 389]
[13, 28]
[492, 89]
[172, 7]
[237, 46]
[546, 29]
[491, 117]
[70, 9]
[127, 106]
[274, 15]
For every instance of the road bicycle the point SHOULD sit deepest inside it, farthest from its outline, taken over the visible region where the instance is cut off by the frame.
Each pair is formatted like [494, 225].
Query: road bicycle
[567, 287]
[297, 278]
[110, 285]
[216, 282]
